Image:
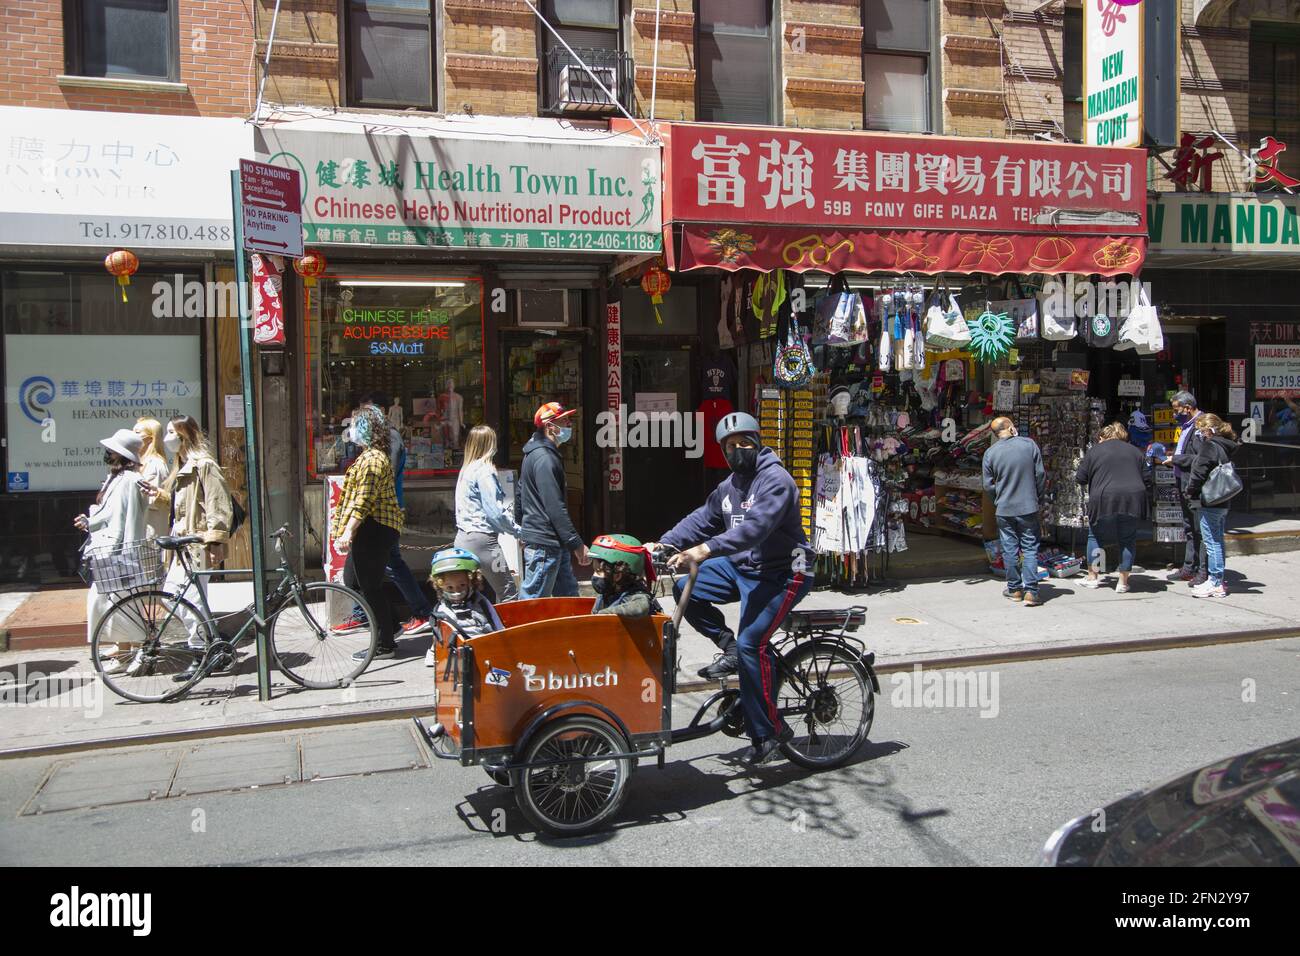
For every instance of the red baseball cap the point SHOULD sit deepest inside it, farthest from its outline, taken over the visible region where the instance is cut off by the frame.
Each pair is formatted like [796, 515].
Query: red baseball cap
[550, 412]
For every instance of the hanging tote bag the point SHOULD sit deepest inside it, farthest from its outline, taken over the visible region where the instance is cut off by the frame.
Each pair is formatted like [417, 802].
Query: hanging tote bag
[945, 328]
[792, 366]
[1154, 339]
[1022, 310]
[835, 315]
[1055, 326]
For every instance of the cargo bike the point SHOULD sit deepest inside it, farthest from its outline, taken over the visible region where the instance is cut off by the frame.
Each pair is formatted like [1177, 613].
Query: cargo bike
[561, 705]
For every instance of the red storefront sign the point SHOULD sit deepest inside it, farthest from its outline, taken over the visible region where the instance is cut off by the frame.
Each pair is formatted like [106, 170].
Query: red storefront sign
[867, 201]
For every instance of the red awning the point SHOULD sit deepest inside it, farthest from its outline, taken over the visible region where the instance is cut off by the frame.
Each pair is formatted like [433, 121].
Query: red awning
[775, 198]
[833, 250]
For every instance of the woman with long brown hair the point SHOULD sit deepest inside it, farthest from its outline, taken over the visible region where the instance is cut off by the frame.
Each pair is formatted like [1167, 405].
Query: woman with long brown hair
[482, 513]
[200, 505]
[1115, 474]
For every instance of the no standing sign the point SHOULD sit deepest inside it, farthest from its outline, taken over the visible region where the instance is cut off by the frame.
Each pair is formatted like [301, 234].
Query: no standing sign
[271, 200]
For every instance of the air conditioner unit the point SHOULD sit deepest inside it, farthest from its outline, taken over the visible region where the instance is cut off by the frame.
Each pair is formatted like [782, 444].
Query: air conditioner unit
[543, 308]
[578, 91]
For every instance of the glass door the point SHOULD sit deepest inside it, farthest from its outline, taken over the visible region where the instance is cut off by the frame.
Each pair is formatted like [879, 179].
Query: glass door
[541, 369]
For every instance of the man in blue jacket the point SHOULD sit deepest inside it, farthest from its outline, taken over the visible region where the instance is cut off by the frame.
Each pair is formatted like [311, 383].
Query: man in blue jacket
[547, 530]
[749, 541]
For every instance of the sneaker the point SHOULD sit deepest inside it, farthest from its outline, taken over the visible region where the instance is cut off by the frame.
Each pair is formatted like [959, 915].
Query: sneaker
[1180, 575]
[724, 665]
[417, 625]
[1091, 583]
[381, 654]
[109, 650]
[138, 666]
[761, 751]
[1121, 589]
[1209, 590]
[111, 666]
[1200, 578]
[1016, 596]
[430, 659]
[355, 622]
[1031, 599]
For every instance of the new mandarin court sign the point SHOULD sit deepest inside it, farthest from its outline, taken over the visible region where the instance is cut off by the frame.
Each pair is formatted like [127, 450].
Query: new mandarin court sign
[473, 192]
[1112, 73]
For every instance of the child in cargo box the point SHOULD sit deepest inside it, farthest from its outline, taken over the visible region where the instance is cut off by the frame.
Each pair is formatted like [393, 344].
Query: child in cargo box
[461, 602]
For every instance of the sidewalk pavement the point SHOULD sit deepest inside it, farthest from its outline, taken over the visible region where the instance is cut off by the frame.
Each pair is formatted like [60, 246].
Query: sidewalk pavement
[59, 702]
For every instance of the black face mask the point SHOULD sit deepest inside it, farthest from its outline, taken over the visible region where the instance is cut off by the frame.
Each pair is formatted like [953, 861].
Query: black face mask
[600, 584]
[743, 461]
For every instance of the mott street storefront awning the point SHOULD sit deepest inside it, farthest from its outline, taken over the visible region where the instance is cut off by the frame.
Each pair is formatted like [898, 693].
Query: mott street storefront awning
[767, 198]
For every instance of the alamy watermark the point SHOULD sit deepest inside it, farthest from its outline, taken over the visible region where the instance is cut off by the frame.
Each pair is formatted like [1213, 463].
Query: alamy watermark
[946, 689]
[1082, 298]
[661, 429]
[71, 690]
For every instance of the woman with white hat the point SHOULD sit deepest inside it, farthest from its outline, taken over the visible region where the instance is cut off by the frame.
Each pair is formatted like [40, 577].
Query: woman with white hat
[117, 519]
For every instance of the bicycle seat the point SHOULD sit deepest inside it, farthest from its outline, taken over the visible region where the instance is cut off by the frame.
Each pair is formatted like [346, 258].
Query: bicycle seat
[169, 542]
[827, 618]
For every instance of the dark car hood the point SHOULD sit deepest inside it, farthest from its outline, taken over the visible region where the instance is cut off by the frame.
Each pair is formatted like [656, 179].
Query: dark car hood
[1241, 811]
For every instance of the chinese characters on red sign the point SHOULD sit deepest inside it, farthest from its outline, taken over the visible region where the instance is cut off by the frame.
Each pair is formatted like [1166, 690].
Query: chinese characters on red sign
[882, 181]
[1264, 163]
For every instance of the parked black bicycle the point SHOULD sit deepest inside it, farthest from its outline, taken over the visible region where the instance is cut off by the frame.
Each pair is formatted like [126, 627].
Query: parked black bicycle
[147, 641]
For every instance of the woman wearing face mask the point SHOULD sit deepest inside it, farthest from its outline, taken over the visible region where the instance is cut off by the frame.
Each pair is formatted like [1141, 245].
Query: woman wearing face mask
[749, 537]
[153, 469]
[200, 504]
[1218, 443]
[368, 522]
[545, 526]
[115, 521]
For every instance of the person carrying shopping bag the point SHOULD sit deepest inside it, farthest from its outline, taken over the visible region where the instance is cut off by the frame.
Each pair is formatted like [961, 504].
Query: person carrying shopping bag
[115, 522]
[1218, 443]
[482, 513]
[200, 505]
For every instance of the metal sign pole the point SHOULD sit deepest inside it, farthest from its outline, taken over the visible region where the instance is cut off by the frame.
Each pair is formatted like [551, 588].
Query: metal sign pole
[250, 441]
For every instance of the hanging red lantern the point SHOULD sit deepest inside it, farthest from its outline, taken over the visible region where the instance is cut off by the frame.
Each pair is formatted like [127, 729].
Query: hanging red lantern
[656, 283]
[123, 264]
[311, 267]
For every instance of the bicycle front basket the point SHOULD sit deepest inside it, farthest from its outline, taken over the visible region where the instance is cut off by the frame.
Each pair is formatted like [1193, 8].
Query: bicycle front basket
[136, 564]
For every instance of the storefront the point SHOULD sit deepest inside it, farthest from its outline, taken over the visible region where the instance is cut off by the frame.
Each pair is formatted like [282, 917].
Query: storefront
[783, 226]
[1223, 267]
[466, 269]
[82, 355]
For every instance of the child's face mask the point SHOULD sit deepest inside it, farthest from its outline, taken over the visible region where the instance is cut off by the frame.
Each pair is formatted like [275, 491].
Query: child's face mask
[454, 587]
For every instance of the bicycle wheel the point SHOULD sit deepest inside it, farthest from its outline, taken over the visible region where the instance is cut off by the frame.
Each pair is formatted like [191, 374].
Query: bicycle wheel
[827, 699]
[569, 799]
[152, 641]
[307, 651]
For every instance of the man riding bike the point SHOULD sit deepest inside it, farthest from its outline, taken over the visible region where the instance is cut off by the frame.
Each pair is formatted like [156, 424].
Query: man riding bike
[749, 542]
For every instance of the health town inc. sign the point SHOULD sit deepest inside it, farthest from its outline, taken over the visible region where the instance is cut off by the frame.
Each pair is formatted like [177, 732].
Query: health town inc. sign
[391, 187]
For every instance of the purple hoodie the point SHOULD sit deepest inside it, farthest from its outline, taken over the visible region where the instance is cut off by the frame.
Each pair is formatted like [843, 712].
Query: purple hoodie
[755, 521]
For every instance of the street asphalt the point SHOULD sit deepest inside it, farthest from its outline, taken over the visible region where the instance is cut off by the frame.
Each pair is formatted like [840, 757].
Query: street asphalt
[942, 786]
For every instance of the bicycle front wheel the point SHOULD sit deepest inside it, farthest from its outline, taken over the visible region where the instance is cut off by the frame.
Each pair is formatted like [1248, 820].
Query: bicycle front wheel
[826, 697]
[152, 646]
[309, 650]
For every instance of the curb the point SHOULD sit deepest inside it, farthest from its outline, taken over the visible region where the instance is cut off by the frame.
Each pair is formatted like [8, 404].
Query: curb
[685, 686]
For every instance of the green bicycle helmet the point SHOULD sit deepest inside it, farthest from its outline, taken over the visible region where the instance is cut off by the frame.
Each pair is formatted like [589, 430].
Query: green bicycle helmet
[616, 548]
[453, 559]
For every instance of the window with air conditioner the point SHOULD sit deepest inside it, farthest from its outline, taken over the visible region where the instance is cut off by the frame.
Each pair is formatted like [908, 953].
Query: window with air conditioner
[586, 67]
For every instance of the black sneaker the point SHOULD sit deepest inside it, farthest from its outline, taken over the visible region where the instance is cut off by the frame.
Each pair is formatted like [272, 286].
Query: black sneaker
[724, 665]
[381, 654]
[761, 751]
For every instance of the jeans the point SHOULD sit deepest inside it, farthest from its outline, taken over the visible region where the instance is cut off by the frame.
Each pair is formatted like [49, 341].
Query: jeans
[1192, 562]
[1019, 534]
[1213, 521]
[548, 572]
[1108, 528]
[364, 572]
[765, 600]
[492, 563]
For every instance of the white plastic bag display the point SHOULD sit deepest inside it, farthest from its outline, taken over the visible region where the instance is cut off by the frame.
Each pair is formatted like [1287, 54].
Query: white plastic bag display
[947, 330]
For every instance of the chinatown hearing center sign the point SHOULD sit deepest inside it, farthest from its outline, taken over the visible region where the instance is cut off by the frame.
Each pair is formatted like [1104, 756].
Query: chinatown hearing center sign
[393, 189]
[1112, 72]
